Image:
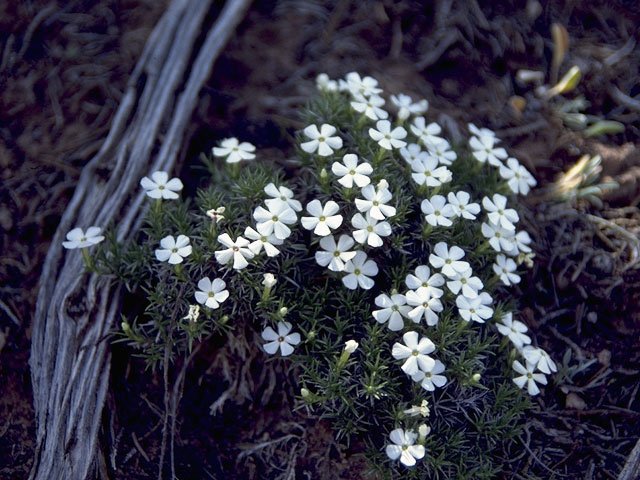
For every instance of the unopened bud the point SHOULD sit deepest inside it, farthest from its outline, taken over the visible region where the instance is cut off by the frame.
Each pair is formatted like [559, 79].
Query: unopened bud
[323, 174]
[350, 346]
[476, 377]
[423, 431]
[305, 393]
[283, 311]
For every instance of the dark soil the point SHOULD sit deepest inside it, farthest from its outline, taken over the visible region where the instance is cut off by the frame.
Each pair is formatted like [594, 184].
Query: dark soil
[60, 83]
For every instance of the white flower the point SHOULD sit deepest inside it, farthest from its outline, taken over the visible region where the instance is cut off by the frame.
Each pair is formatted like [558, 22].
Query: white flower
[459, 201]
[437, 211]
[528, 378]
[485, 151]
[238, 250]
[281, 195]
[321, 140]
[415, 352]
[475, 309]
[423, 409]
[193, 315]
[515, 330]
[173, 250]
[425, 305]
[464, 281]
[505, 268]
[211, 294]
[541, 359]
[500, 238]
[442, 151]
[159, 186]
[431, 379]
[427, 134]
[268, 242]
[235, 151]
[387, 138]
[366, 86]
[369, 230]
[404, 447]
[283, 340]
[370, 107]
[215, 214]
[478, 132]
[350, 172]
[359, 269]
[325, 84]
[424, 279]
[412, 152]
[518, 178]
[406, 107]
[448, 259]
[335, 255]
[392, 310]
[269, 280]
[521, 241]
[77, 238]
[275, 219]
[323, 219]
[375, 202]
[498, 212]
[426, 171]
[350, 346]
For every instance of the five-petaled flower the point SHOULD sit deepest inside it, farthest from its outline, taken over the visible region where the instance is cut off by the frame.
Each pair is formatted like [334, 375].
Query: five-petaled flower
[234, 150]
[415, 353]
[335, 255]
[393, 308]
[431, 379]
[281, 195]
[260, 241]
[323, 219]
[437, 211]
[518, 177]
[283, 339]
[369, 230]
[387, 138]
[528, 377]
[427, 134]
[514, 330]
[375, 202]
[237, 250]
[407, 107]
[274, 219]
[505, 269]
[370, 107]
[359, 270]
[215, 214]
[211, 293]
[498, 212]
[448, 259]
[404, 447]
[321, 140]
[475, 309]
[173, 250]
[159, 186]
[77, 238]
[351, 172]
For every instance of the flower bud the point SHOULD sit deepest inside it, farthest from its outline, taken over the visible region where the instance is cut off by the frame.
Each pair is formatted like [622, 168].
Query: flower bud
[476, 377]
[305, 393]
[423, 431]
[350, 346]
[269, 280]
[323, 174]
[283, 311]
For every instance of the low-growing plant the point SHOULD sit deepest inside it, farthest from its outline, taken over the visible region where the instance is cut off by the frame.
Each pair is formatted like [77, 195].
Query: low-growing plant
[377, 262]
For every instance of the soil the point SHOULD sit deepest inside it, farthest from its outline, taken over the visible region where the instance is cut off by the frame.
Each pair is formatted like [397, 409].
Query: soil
[62, 71]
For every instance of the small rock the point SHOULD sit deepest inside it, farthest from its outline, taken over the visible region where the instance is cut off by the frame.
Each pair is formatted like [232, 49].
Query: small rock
[575, 402]
[604, 357]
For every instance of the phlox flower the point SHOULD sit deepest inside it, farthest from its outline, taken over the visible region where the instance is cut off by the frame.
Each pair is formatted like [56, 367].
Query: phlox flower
[484, 149]
[359, 270]
[77, 238]
[505, 268]
[323, 219]
[459, 201]
[500, 239]
[415, 353]
[237, 250]
[437, 211]
[514, 329]
[528, 378]
[431, 379]
[387, 138]
[518, 177]
[442, 151]
[234, 150]
[422, 278]
[479, 132]
[366, 86]
[321, 140]
[521, 241]
[275, 219]
[475, 309]
[406, 106]
[216, 214]
[392, 309]
[498, 213]
[426, 171]
[404, 448]
[375, 202]
[422, 409]
[351, 172]
[211, 294]
[173, 250]
[269, 280]
[425, 305]
[467, 283]
[335, 255]
[369, 230]
[539, 358]
[159, 186]
[412, 152]
[427, 134]
[281, 195]
[283, 340]
[448, 259]
[370, 107]
[325, 84]
[268, 242]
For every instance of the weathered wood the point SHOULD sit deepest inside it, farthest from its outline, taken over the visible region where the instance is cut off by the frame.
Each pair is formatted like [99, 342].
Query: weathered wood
[631, 470]
[75, 311]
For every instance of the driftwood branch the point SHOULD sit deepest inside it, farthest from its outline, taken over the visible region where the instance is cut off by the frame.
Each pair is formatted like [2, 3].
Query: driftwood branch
[75, 311]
